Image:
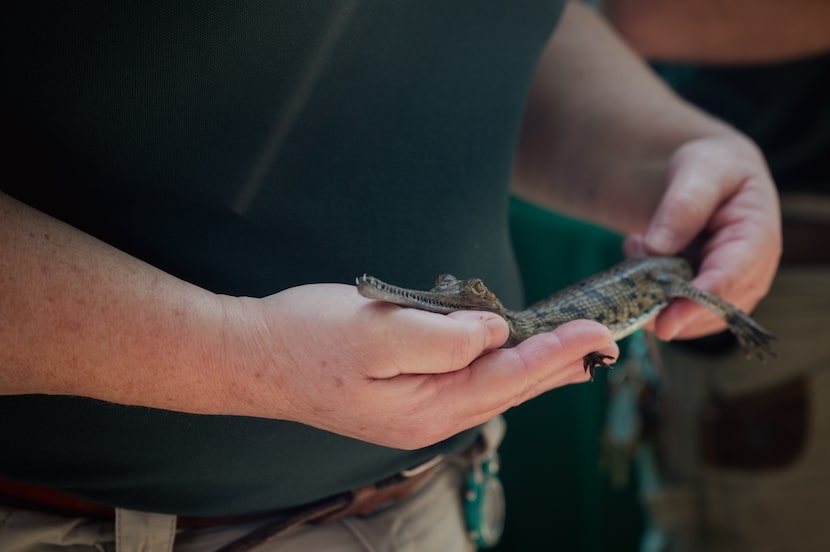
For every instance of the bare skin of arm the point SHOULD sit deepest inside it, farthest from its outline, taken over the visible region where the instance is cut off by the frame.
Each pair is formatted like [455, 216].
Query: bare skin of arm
[607, 141]
[735, 32]
[90, 320]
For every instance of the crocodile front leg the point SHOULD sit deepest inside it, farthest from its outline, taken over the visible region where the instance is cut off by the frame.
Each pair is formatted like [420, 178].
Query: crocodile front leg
[592, 361]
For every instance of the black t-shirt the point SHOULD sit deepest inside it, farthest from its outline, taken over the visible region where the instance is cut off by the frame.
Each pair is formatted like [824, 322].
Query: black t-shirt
[247, 148]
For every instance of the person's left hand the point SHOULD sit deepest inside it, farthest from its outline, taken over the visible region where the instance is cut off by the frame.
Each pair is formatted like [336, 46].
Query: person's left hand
[720, 193]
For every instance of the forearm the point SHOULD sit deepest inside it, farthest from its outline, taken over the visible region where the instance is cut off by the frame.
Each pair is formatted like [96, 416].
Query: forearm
[600, 128]
[738, 31]
[82, 318]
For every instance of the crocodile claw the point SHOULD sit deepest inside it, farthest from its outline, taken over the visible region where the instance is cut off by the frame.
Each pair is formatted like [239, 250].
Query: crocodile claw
[592, 361]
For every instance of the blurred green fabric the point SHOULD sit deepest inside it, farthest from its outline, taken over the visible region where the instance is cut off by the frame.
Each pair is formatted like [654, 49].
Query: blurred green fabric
[558, 498]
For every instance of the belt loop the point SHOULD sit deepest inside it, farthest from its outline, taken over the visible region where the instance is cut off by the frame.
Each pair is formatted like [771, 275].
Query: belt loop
[492, 433]
[143, 531]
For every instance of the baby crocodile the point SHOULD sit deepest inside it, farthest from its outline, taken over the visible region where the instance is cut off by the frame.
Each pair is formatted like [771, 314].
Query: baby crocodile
[622, 298]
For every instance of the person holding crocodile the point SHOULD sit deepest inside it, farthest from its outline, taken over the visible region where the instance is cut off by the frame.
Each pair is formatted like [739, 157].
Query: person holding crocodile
[179, 360]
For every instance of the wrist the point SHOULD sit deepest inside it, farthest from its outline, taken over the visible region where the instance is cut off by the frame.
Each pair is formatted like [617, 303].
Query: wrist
[249, 357]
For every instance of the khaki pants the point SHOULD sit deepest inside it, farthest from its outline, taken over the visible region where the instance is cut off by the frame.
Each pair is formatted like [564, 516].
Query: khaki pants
[746, 445]
[430, 519]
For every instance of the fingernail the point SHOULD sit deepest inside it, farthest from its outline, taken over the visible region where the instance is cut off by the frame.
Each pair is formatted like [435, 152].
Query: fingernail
[660, 241]
[671, 333]
[498, 330]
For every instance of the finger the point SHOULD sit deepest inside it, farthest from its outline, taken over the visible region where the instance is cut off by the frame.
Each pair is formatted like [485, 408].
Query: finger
[507, 377]
[692, 196]
[740, 261]
[731, 272]
[741, 281]
[634, 246]
[445, 404]
[684, 319]
[420, 342]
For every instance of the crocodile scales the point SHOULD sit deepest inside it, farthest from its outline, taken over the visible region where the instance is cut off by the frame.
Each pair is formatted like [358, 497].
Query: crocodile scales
[623, 298]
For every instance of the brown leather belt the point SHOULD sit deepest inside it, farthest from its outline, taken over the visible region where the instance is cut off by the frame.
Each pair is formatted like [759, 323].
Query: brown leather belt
[359, 501]
[806, 241]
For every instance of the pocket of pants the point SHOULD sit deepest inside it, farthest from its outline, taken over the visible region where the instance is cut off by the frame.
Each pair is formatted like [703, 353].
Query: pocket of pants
[762, 430]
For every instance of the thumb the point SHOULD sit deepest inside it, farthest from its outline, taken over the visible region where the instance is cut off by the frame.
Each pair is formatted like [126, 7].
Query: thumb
[692, 196]
[445, 343]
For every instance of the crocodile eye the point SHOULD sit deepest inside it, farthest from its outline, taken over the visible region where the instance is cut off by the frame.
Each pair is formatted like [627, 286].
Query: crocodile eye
[479, 288]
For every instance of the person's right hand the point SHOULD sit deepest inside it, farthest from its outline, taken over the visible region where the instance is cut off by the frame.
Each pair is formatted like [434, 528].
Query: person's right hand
[92, 321]
[324, 356]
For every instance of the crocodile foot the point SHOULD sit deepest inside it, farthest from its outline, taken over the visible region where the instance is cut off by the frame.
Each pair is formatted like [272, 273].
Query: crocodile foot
[592, 361]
